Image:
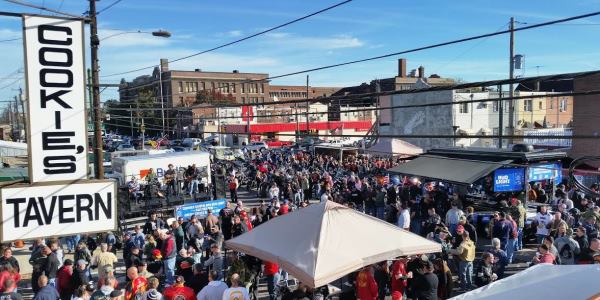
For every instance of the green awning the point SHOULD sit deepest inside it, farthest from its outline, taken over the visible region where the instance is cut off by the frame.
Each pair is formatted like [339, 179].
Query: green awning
[12, 174]
[447, 169]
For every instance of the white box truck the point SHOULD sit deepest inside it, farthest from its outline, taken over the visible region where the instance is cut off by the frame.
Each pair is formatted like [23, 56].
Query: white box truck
[125, 167]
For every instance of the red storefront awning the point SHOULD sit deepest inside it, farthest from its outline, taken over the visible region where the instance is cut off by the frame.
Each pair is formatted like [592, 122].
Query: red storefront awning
[291, 127]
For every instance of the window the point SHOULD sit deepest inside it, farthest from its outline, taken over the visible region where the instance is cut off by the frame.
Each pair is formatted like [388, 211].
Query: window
[243, 99]
[262, 88]
[551, 104]
[528, 105]
[233, 88]
[203, 85]
[563, 105]
[540, 105]
[181, 86]
[495, 131]
[243, 87]
[464, 108]
[495, 106]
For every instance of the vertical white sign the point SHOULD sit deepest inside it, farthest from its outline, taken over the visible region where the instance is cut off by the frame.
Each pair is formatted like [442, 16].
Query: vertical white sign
[57, 132]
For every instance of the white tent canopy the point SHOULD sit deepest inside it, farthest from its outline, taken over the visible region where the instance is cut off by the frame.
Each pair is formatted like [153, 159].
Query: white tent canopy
[393, 147]
[323, 242]
[543, 281]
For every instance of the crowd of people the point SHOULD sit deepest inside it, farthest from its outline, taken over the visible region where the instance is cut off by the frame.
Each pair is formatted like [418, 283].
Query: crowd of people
[177, 259]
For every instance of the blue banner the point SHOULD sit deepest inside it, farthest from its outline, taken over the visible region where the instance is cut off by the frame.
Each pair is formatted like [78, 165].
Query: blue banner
[549, 171]
[509, 180]
[200, 209]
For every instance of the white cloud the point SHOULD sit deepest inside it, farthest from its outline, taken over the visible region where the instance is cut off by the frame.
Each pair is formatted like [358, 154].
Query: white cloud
[9, 34]
[234, 33]
[312, 42]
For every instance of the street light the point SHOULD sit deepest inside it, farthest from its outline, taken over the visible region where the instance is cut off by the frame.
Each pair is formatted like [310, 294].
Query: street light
[158, 33]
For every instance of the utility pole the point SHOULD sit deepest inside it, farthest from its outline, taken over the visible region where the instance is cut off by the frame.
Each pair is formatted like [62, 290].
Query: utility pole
[500, 116]
[131, 119]
[24, 117]
[11, 120]
[17, 117]
[162, 101]
[307, 107]
[95, 43]
[511, 75]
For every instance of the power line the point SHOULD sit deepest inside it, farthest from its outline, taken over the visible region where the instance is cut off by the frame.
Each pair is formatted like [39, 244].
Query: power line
[23, 3]
[10, 40]
[366, 96]
[555, 95]
[108, 7]
[407, 51]
[238, 40]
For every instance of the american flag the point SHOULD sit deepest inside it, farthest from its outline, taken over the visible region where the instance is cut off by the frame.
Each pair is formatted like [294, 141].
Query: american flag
[162, 140]
[386, 179]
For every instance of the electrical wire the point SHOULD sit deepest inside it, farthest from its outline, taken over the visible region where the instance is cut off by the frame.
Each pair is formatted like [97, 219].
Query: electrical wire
[462, 86]
[238, 40]
[108, 7]
[23, 3]
[10, 40]
[558, 21]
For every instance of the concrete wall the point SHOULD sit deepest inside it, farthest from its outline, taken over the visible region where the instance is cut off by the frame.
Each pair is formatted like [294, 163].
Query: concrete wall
[422, 120]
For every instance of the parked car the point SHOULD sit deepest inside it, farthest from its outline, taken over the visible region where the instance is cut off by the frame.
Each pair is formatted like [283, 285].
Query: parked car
[274, 143]
[125, 147]
[175, 143]
[191, 142]
[257, 146]
[179, 148]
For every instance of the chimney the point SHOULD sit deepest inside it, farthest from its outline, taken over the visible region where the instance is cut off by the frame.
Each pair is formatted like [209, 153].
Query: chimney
[402, 68]
[421, 72]
[537, 86]
[164, 64]
[236, 71]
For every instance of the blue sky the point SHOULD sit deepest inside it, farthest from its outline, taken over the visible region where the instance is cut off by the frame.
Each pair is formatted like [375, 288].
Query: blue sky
[361, 28]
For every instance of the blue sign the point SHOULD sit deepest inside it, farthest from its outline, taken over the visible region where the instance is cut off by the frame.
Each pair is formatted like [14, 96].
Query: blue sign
[509, 180]
[550, 171]
[200, 209]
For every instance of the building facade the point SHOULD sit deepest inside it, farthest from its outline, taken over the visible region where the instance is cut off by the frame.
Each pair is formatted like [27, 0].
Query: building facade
[586, 117]
[188, 88]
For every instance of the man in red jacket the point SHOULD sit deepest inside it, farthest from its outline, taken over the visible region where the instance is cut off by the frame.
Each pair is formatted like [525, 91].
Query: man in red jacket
[399, 276]
[179, 291]
[169, 254]
[64, 275]
[271, 271]
[366, 287]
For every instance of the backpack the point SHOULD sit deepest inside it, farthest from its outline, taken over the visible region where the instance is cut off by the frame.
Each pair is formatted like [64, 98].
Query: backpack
[232, 185]
[392, 214]
[566, 252]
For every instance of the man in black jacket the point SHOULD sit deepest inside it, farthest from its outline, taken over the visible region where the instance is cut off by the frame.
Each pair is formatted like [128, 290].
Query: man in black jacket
[153, 224]
[8, 258]
[425, 283]
[51, 267]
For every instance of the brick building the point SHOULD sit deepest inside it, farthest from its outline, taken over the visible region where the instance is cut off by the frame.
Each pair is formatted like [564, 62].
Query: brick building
[295, 92]
[586, 117]
[181, 88]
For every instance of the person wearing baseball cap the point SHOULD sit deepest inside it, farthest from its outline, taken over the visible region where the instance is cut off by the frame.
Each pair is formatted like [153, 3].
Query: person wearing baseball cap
[80, 273]
[178, 291]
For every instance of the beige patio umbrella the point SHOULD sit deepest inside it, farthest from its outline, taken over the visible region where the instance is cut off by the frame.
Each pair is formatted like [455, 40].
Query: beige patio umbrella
[323, 242]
